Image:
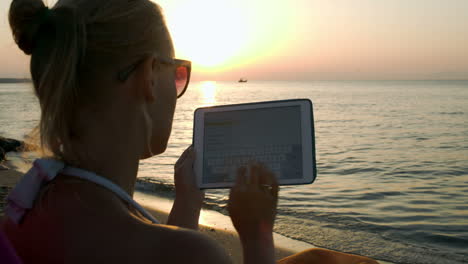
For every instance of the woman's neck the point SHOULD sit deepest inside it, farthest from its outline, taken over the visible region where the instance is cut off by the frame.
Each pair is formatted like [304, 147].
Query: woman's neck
[117, 162]
[109, 144]
[117, 169]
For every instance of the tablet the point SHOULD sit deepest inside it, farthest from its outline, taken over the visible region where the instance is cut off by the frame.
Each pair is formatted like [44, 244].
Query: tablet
[279, 134]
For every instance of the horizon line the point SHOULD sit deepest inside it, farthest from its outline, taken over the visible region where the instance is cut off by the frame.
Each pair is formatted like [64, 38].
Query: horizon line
[16, 80]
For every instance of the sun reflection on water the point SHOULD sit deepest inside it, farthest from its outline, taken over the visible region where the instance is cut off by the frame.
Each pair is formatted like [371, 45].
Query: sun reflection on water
[208, 92]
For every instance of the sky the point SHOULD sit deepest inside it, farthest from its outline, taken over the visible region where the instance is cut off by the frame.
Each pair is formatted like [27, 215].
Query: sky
[305, 39]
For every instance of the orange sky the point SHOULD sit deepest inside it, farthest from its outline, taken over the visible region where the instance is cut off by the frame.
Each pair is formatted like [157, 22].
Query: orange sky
[306, 39]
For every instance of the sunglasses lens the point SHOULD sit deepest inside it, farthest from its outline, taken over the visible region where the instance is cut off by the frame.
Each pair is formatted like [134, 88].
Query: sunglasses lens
[181, 77]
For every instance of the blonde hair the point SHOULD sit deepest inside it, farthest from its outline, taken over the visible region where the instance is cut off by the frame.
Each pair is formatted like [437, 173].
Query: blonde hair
[74, 44]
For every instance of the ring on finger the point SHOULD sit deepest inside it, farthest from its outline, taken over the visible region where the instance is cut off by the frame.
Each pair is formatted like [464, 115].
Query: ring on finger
[266, 187]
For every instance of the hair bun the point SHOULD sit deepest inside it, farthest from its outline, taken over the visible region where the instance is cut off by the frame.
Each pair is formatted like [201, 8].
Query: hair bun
[26, 17]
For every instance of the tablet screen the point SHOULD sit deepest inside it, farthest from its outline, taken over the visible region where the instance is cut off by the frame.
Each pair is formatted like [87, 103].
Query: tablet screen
[269, 135]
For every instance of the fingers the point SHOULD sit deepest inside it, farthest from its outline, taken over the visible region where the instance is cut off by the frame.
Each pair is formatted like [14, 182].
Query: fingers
[187, 155]
[275, 189]
[254, 177]
[269, 179]
[241, 176]
[190, 154]
[263, 175]
[241, 180]
[258, 178]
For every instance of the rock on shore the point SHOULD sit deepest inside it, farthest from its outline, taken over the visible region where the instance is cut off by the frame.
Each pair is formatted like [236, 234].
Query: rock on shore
[9, 144]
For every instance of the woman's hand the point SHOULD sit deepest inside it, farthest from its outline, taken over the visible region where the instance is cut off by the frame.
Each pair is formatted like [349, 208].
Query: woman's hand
[252, 207]
[184, 177]
[189, 198]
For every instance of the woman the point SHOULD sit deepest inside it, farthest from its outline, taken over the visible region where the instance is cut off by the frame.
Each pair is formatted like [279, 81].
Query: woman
[107, 82]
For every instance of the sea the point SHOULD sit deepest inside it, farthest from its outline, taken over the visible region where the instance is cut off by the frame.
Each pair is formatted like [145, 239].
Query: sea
[392, 162]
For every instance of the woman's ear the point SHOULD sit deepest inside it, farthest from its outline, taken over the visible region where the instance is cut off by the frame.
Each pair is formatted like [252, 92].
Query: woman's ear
[147, 78]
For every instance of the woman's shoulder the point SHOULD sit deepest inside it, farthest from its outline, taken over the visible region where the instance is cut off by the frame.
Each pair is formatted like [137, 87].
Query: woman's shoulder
[100, 222]
[133, 240]
[179, 245]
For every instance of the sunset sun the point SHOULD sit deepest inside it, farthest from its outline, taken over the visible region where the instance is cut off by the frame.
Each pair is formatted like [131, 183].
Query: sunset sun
[209, 38]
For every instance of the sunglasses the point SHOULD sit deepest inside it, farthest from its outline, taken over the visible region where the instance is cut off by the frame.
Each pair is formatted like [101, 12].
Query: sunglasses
[182, 68]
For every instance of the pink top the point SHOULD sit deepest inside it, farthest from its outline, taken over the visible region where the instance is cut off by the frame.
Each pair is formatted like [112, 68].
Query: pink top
[7, 253]
[32, 228]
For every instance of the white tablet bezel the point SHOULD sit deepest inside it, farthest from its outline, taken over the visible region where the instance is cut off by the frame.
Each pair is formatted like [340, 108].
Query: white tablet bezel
[307, 135]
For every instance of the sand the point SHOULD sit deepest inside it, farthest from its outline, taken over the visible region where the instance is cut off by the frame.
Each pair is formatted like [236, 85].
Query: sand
[227, 239]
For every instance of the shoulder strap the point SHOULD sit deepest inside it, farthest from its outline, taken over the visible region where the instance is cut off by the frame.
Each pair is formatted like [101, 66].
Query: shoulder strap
[22, 197]
[92, 177]
[99, 180]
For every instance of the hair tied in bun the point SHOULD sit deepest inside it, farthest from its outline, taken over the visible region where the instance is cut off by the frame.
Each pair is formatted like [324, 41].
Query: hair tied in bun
[40, 19]
[42, 16]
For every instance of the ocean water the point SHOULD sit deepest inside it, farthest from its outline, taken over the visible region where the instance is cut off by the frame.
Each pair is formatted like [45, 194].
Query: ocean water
[392, 161]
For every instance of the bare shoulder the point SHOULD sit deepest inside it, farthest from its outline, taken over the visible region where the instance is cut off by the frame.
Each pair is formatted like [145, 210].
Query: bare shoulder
[98, 228]
[123, 238]
[178, 245]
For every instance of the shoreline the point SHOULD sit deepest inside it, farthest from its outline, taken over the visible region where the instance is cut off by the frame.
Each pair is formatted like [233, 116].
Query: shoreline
[219, 227]
[212, 223]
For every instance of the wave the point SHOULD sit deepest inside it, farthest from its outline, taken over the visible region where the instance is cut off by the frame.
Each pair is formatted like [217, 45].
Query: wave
[167, 189]
[450, 113]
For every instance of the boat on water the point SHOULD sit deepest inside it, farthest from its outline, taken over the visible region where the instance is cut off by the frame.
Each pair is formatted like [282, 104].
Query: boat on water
[242, 80]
